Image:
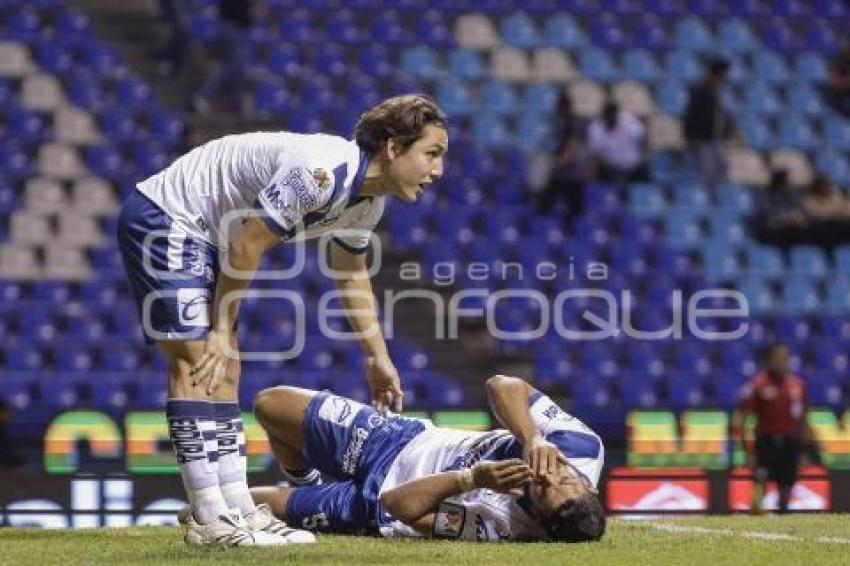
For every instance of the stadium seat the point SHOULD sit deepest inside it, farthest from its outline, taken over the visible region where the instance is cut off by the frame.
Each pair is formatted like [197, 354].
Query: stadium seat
[466, 64]
[694, 35]
[597, 64]
[563, 32]
[736, 35]
[640, 65]
[519, 30]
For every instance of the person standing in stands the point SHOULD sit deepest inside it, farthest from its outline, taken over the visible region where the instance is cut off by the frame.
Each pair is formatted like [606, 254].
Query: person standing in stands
[779, 401]
[570, 165]
[231, 50]
[707, 123]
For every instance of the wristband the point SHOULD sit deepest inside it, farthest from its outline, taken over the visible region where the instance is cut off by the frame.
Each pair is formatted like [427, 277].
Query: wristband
[465, 479]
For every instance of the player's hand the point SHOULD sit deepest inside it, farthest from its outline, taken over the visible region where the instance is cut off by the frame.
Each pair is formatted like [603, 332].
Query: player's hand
[212, 367]
[385, 383]
[504, 476]
[542, 456]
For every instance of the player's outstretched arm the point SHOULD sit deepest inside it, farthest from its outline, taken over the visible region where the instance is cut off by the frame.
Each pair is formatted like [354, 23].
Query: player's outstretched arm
[355, 289]
[508, 398]
[244, 253]
[416, 501]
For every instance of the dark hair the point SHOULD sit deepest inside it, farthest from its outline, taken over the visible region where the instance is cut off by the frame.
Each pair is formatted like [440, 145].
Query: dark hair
[401, 117]
[770, 349]
[717, 65]
[577, 520]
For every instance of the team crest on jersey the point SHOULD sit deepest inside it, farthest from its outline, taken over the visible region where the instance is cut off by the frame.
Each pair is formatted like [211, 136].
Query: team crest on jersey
[323, 178]
[448, 522]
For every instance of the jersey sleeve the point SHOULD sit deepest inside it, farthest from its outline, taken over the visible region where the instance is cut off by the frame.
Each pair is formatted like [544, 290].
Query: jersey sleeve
[582, 447]
[293, 193]
[354, 237]
[480, 515]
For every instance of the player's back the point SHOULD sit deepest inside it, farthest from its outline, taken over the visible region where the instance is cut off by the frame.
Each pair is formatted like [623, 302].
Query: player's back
[224, 175]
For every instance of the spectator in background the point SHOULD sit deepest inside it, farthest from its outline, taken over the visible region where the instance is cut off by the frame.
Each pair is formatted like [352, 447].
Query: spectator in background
[708, 124]
[570, 163]
[828, 213]
[838, 82]
[779, 401]
[232, 51]
[780, 220]
[174, 14]
[617, 143]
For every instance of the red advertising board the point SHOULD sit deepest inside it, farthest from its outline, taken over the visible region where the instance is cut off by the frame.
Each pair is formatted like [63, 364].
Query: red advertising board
[657, 490]
[810, 493]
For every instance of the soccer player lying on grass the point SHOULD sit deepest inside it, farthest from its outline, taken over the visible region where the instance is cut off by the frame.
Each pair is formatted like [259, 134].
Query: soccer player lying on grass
[403, 477]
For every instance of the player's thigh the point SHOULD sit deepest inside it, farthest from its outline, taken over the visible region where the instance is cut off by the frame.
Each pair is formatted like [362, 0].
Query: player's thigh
[335, 507]
[281, 411]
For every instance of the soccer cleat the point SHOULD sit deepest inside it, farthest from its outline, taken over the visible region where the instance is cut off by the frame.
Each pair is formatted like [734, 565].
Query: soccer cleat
[228, 530]
[263, 521]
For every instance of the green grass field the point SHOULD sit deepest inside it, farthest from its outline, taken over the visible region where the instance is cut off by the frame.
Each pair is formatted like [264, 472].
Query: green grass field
[809, 540]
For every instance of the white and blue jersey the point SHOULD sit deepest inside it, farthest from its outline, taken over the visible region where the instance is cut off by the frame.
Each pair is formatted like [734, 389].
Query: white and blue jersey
[174, 229]
[482, 514]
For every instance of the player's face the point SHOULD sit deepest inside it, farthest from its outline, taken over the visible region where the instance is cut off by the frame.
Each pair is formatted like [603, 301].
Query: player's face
[555, 489]
[422, 164]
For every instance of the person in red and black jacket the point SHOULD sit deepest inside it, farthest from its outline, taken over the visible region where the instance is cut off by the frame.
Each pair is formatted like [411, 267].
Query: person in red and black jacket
[779, 401]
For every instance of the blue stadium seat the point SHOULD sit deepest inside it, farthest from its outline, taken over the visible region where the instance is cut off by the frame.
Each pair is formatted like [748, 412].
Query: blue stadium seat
[490, 131]
[690, 195]
[810, 66]
[519, 30]
[779, 36]
[821, 37]
[342, 26]
[838, 295]
[735, 198]
[736, 35]
[834, 165]
[809, 261]
[757, 132]
[597, 64]
[796, 131]
[684, 66]
[837, 132]
[540, 97]
[564, 32]
[420, 61]
[759, 294]
[646, 200]
[685, 391]
[649, 33]
[803, 99]
[466, 64]
[800, 295]
[841, 255]
[683, 230]
[672, 97]
[719, 261]
[640, 65]
[534, 132]
[694, 35]
[434, 30]
[454, 97]
[499, 98]
[766, 262]
[761, 98]
[607, 33]
[770, 67]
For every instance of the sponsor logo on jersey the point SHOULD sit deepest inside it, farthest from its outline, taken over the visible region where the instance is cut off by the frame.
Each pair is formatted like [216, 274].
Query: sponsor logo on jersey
[193, 307]
[353, 451]
[339, 410]
[448, 522]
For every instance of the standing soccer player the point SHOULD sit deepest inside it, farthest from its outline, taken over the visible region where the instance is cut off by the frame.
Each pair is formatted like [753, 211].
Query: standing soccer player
[186, 267]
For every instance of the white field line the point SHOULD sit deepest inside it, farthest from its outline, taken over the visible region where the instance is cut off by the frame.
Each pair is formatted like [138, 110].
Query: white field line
[758, 535]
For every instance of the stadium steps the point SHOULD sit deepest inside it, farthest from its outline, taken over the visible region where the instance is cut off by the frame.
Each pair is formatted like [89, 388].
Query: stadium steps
[134, 29]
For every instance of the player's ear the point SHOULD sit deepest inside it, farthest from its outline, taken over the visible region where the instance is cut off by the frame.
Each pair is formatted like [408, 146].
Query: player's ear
[392, 149]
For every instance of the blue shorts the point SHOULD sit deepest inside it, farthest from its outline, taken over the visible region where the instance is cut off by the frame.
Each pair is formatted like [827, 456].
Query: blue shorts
[172, 273]
[354, 445]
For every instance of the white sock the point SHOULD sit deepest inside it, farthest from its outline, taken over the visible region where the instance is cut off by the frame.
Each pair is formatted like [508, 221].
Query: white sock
[192, 431]
[232, 459]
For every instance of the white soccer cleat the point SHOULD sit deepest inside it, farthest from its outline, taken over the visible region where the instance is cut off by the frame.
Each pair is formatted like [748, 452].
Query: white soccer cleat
[263, 521]
[228, 530]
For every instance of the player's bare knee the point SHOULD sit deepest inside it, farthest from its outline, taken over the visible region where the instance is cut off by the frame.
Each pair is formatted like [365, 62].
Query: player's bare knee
[267, 403]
